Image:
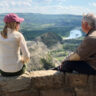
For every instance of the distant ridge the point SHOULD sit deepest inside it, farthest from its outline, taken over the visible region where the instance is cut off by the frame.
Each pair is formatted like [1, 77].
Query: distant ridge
[49, 39]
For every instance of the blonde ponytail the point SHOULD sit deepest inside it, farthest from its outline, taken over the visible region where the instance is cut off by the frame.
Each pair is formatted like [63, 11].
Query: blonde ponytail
[11, 25]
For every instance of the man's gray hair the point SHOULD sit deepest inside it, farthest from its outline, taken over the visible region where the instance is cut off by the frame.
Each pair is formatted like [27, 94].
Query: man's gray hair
[90, 19]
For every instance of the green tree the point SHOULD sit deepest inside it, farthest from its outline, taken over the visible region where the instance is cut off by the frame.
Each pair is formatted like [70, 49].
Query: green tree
[47, 62]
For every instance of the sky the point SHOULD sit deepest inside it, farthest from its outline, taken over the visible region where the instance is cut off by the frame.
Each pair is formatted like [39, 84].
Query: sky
[77, 7]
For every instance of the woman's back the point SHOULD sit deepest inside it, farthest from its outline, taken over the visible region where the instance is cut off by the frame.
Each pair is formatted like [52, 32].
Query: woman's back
[10, 52]
[12, 63]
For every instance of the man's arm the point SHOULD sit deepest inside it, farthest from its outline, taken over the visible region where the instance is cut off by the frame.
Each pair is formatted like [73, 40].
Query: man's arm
[73, 57]
[84, 50]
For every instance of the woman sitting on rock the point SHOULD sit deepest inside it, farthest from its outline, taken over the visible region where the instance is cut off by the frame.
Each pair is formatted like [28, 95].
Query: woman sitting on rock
[11, 42]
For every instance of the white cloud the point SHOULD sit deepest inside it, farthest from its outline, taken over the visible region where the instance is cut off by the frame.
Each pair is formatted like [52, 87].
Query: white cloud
[48, 1]
[4, 4]
[61, 0]
[58, 9]
[42, 6]
[93, 4]
[13, 3]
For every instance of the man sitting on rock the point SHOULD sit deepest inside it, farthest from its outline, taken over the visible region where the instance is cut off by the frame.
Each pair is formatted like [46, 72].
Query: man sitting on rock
[83, 60]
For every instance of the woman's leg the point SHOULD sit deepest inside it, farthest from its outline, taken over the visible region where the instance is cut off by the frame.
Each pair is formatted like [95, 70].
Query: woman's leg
[78, 66]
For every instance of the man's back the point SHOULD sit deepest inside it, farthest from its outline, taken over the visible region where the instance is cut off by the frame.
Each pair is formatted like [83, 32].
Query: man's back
[87, 49]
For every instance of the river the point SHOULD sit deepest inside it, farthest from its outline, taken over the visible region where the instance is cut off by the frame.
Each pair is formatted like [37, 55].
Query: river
[76, 33]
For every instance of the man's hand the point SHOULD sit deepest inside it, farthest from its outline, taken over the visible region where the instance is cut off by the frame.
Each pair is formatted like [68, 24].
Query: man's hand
[71, 57]
[74, 57]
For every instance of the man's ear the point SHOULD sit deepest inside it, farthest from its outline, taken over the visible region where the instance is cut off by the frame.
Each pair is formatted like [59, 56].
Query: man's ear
[86, 24]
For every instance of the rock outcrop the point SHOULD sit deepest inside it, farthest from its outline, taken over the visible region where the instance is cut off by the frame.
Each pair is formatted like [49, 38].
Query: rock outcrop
[48, 83]
[51, 40]
[38, 50]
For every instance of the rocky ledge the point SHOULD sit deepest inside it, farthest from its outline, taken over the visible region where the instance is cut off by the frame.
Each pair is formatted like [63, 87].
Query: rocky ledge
[48, 83]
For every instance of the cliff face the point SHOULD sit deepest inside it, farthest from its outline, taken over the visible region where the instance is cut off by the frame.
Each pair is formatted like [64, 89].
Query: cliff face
[40, 48]
[37, 51]
[50, 39]
[48, 83]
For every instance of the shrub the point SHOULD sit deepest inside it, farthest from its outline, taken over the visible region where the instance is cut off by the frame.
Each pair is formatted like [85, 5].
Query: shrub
[47, 62]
